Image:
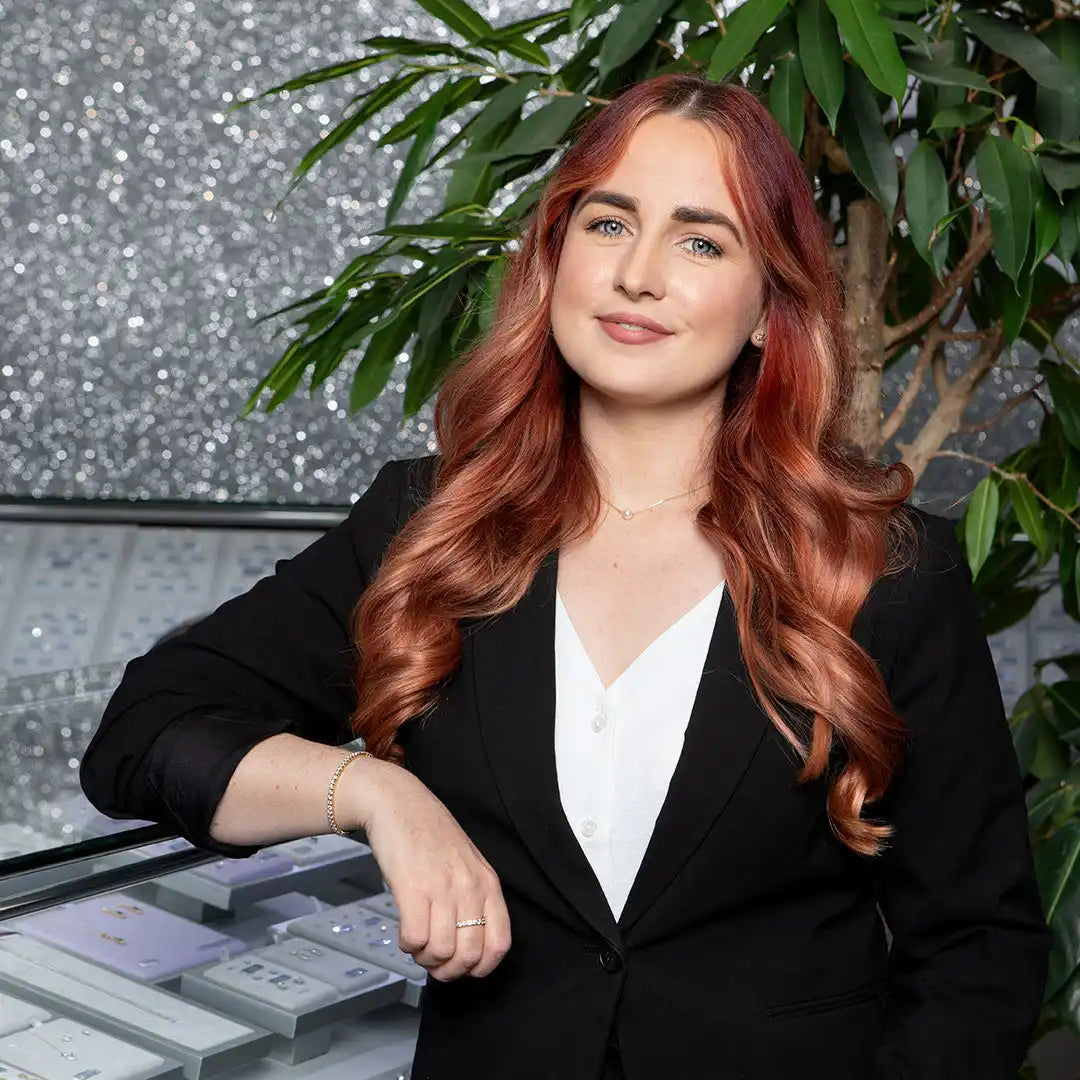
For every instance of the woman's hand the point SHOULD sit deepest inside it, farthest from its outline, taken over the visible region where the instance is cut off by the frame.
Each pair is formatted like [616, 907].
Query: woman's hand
[437, 875]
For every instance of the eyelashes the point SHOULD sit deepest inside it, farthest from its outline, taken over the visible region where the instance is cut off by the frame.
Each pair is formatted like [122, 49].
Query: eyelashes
[715, 252]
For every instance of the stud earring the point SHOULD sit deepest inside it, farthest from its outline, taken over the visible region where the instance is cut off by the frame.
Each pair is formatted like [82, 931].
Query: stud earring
[759, 338]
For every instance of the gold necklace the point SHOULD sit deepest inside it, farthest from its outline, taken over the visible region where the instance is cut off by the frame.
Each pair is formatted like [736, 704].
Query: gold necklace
[626, 513]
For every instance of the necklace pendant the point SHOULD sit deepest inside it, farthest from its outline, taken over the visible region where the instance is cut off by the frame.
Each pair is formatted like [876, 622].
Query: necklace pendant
[628, 514]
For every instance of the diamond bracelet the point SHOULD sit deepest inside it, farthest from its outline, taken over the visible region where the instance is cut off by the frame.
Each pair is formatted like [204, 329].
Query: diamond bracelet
[334, 827]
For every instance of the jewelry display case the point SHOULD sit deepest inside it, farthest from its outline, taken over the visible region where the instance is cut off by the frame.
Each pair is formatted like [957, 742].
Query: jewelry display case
[128, 954]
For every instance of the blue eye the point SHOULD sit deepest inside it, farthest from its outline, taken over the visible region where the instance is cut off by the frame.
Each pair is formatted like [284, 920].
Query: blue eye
[714, 250]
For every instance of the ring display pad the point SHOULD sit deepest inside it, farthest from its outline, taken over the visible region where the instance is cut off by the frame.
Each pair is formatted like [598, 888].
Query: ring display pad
[64, 1049]
[343, 972]
[135, 939]
[360, 932]
[203, 1041]
[383, 903]
[306, 865]
[16, 1014]
[297, 1006]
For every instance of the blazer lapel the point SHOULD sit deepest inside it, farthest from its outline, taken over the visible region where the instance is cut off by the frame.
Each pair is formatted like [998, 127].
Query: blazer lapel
[514, 669]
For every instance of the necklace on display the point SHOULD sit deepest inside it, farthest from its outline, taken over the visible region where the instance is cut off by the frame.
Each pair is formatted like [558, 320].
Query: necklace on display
[70, 1055]
[91, 986]
[626, 513]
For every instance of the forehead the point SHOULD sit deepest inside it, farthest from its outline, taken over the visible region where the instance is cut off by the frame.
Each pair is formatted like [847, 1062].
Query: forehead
[672, 160]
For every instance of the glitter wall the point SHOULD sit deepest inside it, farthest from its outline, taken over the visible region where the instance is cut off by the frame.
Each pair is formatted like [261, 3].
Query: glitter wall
[136, 248]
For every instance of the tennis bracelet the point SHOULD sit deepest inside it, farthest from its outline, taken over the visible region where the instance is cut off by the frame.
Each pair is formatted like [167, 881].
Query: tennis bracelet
[334, 827]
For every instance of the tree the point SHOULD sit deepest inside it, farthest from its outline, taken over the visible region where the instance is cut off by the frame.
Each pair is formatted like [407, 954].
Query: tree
[944, 145]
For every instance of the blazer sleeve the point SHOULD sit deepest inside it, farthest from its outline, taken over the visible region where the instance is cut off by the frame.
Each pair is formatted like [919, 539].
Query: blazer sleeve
[277, 658]
[957, 888]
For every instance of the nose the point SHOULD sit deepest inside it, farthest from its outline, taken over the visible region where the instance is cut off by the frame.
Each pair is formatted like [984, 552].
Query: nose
[639, 268]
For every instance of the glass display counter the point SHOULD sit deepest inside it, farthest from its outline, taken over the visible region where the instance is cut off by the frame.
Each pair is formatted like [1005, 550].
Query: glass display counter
[127, 954]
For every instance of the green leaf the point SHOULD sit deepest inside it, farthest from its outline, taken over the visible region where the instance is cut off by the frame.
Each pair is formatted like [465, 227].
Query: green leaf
[405, 46]
[311, 78]
[1056, 112]
[980, 522]
[432, 111]
[1066, 493]
[471, 177]
[490, 289]
[1062, 174]
[1047, 227]
[377, 363]
[869, 150]
[786, 90]
[1029, 514]
[1015, 305]
[517, 45]
[906, 7]
[957, 116]
[926, 199]
[1057, 870]
[1009, 607]
[458, 16]
[821, 56]
[466, 89]
[633, 28]
[377, 99]
[543, 128]
[744, 27]
[870, 41]
[1069, 237]
[580, 10]
[1027, 50]
[912, 31]
[1065, 698]
[696, 12]
[460, 231]
[1064, 384]
[943, 75]
[1005, 177]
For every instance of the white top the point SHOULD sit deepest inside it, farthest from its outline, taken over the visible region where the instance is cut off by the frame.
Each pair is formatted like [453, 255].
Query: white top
[616, 749]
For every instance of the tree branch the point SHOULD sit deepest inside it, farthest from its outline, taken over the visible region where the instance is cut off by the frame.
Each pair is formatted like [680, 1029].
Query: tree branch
[981, 242]
[1010, 476]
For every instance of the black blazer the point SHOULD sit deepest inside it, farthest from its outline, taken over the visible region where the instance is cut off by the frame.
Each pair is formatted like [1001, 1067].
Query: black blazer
[751, 944]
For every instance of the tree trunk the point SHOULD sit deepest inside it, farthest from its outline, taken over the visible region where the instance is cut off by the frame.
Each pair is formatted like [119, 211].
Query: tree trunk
[865, 269]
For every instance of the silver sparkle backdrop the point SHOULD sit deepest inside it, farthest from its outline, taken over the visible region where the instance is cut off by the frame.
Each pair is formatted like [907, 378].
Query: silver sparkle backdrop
[137, 248]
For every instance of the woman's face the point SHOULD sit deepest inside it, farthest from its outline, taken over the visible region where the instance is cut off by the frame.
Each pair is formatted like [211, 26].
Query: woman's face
[628, 253]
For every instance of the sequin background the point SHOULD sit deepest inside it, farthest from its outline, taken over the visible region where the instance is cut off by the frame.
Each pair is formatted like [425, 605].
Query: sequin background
[137, 248]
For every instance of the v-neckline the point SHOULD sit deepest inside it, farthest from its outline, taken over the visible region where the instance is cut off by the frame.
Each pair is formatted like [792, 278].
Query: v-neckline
[648, 648]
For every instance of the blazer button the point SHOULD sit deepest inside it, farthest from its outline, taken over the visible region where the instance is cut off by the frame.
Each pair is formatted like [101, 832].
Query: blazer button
[611, 959]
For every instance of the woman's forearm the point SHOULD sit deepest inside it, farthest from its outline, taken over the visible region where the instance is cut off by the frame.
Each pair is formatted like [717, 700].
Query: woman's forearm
[278, 792]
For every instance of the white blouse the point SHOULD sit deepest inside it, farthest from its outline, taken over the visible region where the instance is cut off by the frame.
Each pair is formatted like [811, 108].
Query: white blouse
[616, 749]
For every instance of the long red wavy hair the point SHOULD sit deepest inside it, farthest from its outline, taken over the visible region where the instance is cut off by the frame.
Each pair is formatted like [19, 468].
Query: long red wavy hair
[804, 522]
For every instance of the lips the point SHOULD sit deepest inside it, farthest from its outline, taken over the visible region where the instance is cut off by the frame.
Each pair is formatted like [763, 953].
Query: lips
[636, 320]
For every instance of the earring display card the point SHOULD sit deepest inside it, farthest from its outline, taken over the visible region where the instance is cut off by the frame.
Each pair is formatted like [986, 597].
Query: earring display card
[383, 903]
[360, 932]
[9, 1072]
[311, 850]
[37, 971]
[255, 977]
[16, 1014]
[63, 1049]
[131, 937]
[259, 867]
[340, 970]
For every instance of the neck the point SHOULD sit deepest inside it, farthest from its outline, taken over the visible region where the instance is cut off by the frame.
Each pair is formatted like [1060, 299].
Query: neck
[650, 452]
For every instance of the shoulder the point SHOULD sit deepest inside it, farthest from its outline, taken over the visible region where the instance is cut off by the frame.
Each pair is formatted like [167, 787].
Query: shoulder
[931, 581]
[399, 487]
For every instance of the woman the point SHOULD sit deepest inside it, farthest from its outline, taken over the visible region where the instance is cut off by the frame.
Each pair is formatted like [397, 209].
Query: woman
[633, 657]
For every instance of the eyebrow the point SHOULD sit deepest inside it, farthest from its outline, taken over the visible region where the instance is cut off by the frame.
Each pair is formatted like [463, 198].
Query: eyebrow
[697, 215]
